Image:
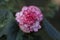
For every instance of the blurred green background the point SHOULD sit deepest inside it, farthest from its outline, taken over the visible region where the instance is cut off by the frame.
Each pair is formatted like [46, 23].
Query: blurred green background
[50, 9]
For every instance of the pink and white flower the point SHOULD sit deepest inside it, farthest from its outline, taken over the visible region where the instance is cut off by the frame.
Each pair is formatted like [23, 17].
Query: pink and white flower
[29, 19]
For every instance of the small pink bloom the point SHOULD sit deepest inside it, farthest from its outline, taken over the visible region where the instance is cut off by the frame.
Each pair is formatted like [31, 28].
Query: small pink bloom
[29, 19]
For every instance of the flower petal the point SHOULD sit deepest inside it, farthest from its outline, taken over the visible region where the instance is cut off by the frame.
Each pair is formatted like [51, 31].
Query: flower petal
[24, 29]
[35, 29]
[29, 19]
[24, 8]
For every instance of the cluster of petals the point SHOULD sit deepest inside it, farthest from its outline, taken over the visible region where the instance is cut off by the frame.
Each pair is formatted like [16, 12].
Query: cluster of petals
[29, 19]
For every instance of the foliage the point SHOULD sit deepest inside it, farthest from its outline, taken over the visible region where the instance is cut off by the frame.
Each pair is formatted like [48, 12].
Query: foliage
[12, 5]
[50, 10]
[5, 17]
[51, 30]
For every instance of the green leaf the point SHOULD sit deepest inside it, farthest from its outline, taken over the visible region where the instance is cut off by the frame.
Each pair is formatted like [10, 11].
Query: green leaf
[12, 5]
[2, 2]
[50, 14]
[52, 32]
[11, 30]
[5, 17]
[19, 35]
[8, 26]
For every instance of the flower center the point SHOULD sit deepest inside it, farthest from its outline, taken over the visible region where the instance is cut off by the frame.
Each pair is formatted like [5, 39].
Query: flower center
[30, 17]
